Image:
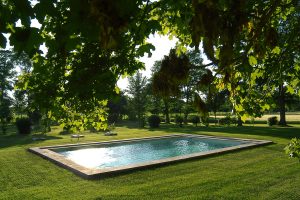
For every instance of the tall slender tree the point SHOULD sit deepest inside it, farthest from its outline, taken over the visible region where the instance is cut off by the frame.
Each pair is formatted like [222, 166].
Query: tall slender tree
[7, 74]
[137, 91]
[190, 86]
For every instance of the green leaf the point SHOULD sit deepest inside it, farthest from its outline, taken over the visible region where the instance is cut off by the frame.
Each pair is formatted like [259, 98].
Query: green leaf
[265, 87]
[244, 117]
[72, 43]
[290, 89]
[266, 107]
[276, 50]
[10, 27]
[256, 74]
[43, 8]
[297, 67]
[26, 39]
[145, 48]
[24, 10]
[180, 49]
[117, 89]
[252, 60]
[2, 41]
[218, 53]
[295, 82]
[239, 108]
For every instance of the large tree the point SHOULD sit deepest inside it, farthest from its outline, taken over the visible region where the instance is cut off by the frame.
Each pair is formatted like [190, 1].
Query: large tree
[170, 72]
[285, 78]
[190, 86]
[156, 104]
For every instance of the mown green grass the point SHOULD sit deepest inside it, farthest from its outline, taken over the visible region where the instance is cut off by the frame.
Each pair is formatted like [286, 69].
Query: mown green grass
[258, 173]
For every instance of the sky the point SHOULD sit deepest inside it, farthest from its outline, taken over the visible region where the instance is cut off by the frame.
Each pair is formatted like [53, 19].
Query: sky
[162, 47]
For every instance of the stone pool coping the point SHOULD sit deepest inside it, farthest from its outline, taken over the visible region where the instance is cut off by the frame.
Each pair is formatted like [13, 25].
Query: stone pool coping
[88, 173]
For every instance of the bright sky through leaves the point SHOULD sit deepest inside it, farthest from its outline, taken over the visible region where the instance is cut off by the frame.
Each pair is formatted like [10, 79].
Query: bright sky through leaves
[162, 47]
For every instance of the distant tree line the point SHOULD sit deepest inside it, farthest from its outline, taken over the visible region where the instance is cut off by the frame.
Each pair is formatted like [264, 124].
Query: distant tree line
[196, 95]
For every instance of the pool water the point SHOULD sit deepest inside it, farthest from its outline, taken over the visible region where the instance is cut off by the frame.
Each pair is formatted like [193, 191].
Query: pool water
[135, 152]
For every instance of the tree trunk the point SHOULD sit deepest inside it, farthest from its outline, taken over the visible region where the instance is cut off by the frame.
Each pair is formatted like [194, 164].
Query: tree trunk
[186, 110]
[239, 121]
[3, 127]
[167, 117]
[281, 105]
[185, 118]
[2, 120]
[215, 114]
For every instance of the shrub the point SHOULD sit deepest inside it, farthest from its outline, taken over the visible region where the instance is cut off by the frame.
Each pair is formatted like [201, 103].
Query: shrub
[154, 121]
[142, 122]
[212, 120]
[233, 120]
[67, 129]
[111, 127]
[225, 121]
[179, 120]
[35, 117]
[293, 148]
[204, 120]
[23, 125]
[112, 118]
[195, 119]
[272, 121]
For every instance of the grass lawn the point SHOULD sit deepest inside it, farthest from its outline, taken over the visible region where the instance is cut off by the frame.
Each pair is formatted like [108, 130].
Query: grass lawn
[291, 118]
[258, 173]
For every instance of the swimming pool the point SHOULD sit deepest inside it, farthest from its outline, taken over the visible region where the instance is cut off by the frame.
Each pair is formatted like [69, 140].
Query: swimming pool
[94, 159]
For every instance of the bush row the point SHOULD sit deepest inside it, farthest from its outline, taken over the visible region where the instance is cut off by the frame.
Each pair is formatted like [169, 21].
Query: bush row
[154, 121]
[23, 125]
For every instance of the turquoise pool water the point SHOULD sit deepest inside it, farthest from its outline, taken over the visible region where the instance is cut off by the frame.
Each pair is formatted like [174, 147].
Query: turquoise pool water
[135, 152]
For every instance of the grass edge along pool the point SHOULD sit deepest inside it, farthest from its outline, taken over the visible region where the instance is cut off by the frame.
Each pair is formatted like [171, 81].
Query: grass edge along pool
[48, 152]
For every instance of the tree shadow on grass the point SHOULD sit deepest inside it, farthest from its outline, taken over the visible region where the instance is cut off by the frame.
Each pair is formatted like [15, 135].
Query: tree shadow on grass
[128, 124]
[19, 140]
[280, 132]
